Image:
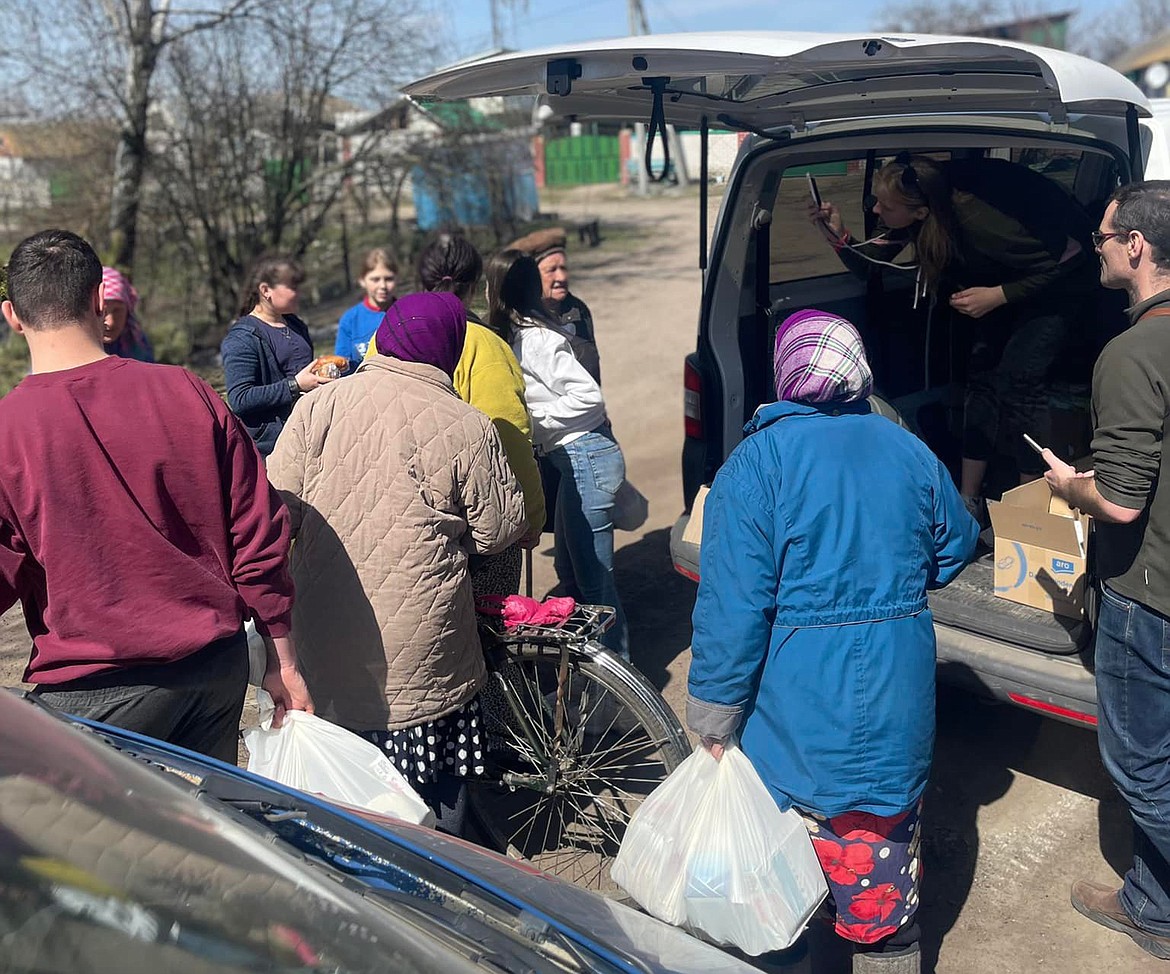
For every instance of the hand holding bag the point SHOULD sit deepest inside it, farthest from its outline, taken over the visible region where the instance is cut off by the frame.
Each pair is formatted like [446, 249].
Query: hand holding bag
[710, 849]
[321, 758]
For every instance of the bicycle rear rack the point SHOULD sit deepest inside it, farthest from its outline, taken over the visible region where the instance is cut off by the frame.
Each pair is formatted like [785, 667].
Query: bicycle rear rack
[587, 622]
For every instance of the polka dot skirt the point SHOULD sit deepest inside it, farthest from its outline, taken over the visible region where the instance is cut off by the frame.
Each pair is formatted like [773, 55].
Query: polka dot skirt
[452, 744]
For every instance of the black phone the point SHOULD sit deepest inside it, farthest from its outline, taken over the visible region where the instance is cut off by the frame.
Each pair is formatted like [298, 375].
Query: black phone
[813, 191]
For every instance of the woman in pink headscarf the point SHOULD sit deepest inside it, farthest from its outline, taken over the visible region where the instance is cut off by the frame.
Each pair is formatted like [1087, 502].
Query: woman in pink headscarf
[123, 335]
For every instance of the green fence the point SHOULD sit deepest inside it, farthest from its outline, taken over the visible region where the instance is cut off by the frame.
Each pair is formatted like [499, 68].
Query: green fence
[582, 159]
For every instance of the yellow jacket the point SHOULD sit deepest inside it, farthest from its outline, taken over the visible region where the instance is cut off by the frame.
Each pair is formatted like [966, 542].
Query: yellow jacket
[488, 377]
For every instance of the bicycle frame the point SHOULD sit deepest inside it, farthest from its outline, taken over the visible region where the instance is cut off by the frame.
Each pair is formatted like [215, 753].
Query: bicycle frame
[543, 758]
[587, 623]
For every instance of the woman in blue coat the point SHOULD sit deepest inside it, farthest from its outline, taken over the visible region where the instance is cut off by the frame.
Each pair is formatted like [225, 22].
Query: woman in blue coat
[813, 643]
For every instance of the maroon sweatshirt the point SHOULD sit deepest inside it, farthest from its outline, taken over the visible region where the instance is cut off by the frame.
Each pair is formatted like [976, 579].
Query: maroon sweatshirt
[137, 523]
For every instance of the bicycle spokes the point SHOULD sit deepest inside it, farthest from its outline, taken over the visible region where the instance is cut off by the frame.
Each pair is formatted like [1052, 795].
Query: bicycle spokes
[570, 759]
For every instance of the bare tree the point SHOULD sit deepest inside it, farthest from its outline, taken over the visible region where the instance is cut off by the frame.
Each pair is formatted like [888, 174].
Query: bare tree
[141, 30]
[102, 57]
[952, 17]
[960, 16]
[1111, 34]
[249, 158]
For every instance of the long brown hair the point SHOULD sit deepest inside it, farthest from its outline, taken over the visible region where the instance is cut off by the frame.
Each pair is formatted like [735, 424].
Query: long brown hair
[514, 292]
[271, 270]
[917, 181]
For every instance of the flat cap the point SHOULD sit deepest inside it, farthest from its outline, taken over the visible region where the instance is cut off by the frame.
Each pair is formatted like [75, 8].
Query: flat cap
[540, 243]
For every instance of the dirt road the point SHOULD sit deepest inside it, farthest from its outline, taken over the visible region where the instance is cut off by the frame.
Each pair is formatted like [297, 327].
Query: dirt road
[1017, 808]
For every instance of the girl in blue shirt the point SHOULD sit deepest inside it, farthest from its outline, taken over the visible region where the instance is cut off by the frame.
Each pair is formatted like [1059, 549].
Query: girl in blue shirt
[357, 326]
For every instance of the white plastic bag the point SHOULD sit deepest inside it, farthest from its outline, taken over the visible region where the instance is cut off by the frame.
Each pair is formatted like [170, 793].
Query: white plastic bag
[630, 508]
[651, 864]
[316, 756]
[711, 850]
[257, 654]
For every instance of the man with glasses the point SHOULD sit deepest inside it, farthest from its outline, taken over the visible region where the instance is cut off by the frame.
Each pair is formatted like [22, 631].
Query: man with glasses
[1128, 493]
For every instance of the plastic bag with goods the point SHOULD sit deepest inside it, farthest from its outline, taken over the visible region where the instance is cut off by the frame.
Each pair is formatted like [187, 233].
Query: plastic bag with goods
[710, 849]
[313, 755]
[652, 861]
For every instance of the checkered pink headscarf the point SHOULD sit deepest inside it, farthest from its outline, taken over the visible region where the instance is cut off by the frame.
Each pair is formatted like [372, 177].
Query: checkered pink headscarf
[117, 288]
[132, 343]
[820, 358]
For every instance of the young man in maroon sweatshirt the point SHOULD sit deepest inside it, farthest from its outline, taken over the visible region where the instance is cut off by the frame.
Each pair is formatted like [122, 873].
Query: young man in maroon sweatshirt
[137, 525]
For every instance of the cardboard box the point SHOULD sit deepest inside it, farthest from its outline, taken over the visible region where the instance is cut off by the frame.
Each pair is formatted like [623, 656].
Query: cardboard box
[1039, 553]
[693, 532]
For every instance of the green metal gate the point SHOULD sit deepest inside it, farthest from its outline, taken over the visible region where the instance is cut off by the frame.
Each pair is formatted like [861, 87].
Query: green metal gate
[582, 159]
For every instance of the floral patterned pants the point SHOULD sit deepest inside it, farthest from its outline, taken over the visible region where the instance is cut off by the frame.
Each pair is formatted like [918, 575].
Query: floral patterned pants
[873, 869]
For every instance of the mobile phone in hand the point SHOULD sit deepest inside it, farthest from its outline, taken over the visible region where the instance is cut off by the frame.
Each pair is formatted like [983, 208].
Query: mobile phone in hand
[1033, 444]
[813, 191]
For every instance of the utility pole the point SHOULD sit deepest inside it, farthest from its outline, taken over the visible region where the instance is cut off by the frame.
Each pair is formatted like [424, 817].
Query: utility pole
[639, 24]
[497, 33]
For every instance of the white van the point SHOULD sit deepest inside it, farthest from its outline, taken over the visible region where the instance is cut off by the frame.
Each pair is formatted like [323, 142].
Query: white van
[839, 106]
[1158, 161]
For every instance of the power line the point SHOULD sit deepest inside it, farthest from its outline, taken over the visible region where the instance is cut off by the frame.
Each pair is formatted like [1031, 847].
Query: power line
[664, 10]
[639, 24]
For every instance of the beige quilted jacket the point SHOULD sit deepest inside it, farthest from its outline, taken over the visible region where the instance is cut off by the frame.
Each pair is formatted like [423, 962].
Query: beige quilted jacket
[391, 481]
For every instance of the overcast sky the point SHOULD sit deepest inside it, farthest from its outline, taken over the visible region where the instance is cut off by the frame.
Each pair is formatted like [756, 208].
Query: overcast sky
[548, 22]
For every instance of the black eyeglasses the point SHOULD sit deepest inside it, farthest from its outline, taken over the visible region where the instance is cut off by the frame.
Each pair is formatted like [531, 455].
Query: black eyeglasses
[1099, 238]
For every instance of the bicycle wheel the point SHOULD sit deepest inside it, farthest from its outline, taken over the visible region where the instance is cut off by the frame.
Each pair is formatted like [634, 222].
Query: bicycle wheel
[563, 799]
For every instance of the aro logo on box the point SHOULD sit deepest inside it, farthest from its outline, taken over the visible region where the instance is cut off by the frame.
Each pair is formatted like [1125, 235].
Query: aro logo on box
[1062, 567]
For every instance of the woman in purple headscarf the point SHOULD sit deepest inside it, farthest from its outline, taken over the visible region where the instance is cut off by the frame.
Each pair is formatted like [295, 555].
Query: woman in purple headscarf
[393, 482]
[813, 646]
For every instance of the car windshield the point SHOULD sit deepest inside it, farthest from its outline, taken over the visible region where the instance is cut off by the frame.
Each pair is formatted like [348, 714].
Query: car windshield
[108, 866]
[145, 860]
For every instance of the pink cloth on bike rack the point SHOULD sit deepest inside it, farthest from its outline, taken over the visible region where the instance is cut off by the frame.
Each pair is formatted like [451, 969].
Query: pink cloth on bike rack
[518, 610]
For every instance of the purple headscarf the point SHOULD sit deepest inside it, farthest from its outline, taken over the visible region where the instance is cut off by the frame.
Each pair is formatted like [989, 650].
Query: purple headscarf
[428, 327]
[820, 358]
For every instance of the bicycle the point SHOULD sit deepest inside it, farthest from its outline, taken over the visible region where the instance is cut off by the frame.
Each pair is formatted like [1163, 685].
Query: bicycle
[576, 739]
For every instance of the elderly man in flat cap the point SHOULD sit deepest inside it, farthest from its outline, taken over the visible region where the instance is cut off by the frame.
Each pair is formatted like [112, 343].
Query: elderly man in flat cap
[547, 248]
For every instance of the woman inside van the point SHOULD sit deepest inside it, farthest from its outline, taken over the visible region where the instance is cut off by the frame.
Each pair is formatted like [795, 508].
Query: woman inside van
[1005, 247]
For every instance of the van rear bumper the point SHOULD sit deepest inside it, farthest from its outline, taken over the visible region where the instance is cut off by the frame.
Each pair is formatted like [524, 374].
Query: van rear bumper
[1062, 687]
[684, 556]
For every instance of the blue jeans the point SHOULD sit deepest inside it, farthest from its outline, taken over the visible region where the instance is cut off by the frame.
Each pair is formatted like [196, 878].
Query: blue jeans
[1133, 698]
[592, 468]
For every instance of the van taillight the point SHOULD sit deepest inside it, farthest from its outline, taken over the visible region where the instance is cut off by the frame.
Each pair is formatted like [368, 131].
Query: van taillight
[692, 402]
[1050, 708]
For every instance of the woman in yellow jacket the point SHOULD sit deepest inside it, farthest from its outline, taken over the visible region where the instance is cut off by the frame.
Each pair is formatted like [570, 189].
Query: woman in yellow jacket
[488, 377]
